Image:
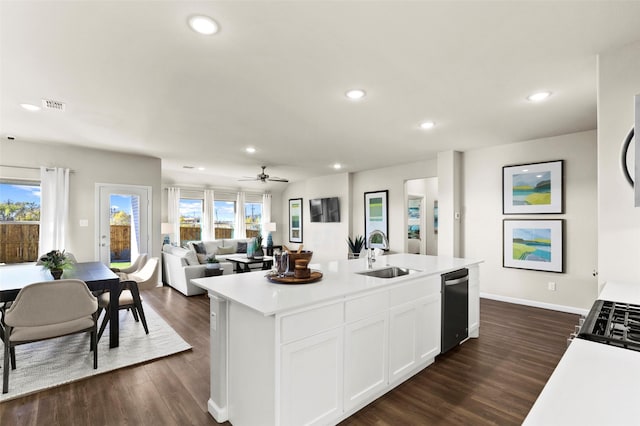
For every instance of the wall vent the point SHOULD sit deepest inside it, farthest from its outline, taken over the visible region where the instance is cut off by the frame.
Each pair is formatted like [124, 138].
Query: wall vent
[51, 104]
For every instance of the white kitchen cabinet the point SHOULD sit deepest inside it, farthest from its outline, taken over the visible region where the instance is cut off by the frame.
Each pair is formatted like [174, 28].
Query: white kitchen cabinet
[429, 326]
[403, 335]
[365, 369]
[311, 379]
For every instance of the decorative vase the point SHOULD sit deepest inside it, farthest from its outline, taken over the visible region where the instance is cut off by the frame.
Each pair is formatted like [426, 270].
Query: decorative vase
[258, 253]
[212, 266]
[56, 272]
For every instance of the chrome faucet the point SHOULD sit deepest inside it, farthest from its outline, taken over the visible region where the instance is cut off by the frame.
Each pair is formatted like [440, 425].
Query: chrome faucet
[371, 256]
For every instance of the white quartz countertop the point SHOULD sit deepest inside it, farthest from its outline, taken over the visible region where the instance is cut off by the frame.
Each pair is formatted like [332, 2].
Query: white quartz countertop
[594, 383]
[340, 279]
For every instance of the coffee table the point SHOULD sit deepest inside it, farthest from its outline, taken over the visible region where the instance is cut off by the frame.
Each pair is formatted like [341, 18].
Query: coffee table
[241, 263]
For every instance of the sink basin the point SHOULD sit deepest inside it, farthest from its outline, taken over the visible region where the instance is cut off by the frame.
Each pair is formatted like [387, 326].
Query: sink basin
[388, 272]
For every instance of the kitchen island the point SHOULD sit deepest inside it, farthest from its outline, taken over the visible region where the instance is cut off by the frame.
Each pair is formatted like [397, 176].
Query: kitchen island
[316, 353]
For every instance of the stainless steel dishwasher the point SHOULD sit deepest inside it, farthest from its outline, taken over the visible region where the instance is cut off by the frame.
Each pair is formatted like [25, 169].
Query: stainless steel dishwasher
[455, 308]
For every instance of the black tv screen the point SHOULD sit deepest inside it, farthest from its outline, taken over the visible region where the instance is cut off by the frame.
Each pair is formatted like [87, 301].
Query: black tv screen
[325, 209]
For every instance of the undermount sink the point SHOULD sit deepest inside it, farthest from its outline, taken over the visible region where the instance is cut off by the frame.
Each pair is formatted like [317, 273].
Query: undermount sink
[388, 272]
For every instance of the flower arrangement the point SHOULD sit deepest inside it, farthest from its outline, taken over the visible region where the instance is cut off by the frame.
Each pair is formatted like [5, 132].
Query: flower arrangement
[55, 259]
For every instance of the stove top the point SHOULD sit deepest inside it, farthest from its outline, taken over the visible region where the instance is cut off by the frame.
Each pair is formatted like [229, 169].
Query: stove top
[613, 323]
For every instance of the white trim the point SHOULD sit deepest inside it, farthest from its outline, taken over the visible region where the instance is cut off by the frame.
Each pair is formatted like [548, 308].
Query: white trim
[535, 304]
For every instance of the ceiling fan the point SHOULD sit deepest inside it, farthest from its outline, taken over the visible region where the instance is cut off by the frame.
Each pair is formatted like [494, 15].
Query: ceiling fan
[264, 178]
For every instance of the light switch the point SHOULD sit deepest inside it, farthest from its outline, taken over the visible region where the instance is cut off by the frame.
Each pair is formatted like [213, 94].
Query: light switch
[84, 222]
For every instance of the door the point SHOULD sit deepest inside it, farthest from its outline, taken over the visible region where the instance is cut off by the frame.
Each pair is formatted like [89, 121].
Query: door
[124, 221]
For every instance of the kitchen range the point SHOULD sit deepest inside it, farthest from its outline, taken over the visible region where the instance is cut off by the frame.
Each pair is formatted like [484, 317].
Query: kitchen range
[595, 382]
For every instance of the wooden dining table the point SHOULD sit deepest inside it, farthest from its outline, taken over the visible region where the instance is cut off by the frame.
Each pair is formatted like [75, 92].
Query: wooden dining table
[97, 276]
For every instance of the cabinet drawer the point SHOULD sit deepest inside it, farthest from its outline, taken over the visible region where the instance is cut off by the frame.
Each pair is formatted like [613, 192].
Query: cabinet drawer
[363, 307]
[311, 322]
[414, 290]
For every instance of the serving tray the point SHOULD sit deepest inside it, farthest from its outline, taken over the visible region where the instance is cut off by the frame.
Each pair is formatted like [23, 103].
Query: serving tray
[315, 276]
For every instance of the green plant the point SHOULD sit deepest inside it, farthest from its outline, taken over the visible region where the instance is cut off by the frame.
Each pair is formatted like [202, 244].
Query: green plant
[55, 259]
[258, 243]
[356, 244]
[212, 259]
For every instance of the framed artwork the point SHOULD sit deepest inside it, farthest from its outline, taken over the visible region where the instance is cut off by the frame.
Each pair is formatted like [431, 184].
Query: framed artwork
[533, 188]
[376, 216]
[414, 215]
[536, 244]
[295, 220]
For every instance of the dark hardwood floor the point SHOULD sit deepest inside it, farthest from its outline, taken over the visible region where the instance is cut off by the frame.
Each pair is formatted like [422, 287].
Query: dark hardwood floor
[491, 380]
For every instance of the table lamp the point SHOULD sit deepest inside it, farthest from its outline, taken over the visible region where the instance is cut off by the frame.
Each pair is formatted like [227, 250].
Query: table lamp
[270, 227]
[166, 229]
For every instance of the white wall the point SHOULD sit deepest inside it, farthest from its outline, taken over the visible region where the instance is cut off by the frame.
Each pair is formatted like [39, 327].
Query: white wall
[89, 167]
[482, 220]
[328, 241]
[449, 190]
[392, 179]
[619, 221]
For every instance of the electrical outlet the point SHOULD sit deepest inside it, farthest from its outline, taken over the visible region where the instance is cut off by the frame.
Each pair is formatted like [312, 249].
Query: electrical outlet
[551, 286]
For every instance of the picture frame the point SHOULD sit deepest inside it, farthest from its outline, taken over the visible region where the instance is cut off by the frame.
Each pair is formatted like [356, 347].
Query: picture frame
[295, 220]
[535, 244]
[376, 216]
[534, 188]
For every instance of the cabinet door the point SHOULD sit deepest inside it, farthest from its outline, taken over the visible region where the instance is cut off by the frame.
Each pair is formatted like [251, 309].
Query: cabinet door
[474, 302]
[365, 369]
[402, 340]
[311, 379]
[429, 329]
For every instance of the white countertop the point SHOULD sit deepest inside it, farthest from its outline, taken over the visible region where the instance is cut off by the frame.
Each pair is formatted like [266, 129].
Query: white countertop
[594, 383]
[339, 279]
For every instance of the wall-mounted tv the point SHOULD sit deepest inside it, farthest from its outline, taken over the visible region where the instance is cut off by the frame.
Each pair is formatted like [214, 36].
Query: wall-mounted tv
[325, 209]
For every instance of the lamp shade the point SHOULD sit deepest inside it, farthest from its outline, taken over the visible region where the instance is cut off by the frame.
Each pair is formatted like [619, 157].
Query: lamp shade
[270, 226]
[166, 228]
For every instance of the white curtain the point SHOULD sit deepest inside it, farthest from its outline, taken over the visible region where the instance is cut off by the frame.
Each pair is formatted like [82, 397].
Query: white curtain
[266, 214]
[173, 213]
[54, 208]
[208, 221]
[241, 225]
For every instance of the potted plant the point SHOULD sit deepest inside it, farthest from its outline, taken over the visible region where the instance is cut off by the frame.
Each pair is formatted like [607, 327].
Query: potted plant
[55, 261]
[257, 247]
[212, 262]
[355, 246]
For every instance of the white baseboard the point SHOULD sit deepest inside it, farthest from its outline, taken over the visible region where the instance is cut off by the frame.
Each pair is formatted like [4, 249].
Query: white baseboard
[535, 304]
[219, 414]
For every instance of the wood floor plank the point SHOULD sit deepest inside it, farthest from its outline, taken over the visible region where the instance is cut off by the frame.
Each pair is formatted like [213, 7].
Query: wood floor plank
[493, 380]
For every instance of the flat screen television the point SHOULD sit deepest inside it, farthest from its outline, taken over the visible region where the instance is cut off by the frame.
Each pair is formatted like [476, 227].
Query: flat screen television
[325, 209]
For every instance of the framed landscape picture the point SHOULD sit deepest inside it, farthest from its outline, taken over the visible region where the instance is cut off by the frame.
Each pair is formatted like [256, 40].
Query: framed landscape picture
[295, 220]
[533, 244]
[533, 188]
[376, 216]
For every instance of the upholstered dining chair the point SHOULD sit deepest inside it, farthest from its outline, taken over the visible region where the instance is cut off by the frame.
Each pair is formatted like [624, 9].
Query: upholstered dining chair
[47, 310]
[130, 286]
[135, 266]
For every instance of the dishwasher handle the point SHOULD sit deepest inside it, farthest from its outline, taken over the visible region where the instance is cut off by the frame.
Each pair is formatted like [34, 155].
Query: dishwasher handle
[456, 281]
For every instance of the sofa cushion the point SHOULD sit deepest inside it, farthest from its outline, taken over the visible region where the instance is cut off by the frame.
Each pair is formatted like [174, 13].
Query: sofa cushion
[199, 248]
[191, 258]
[202, 258]
[242, 247]
[226, 250]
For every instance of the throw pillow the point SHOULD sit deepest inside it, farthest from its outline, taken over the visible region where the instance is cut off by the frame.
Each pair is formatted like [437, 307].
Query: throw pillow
[228, 250]
[191, 258]
[242, 247]
[202, 258]
[200, 248]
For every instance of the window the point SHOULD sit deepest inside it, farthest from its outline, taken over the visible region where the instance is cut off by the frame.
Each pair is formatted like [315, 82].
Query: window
[224, 216]
[253, 218]
[190, 220]
[19, 221]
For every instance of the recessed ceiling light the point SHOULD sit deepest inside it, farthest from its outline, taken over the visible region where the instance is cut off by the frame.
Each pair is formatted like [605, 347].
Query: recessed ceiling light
[537, 97]
[201, 168]
[30, 107]
[355, 94]
[203, 25]
[427, 125]
[250, 149]
[337, 166]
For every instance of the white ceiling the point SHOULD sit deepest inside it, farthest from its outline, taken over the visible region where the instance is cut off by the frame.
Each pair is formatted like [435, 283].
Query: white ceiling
[135, 78]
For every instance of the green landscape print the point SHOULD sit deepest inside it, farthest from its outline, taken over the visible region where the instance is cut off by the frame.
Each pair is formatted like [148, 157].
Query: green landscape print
[532, 244]
[532, 189]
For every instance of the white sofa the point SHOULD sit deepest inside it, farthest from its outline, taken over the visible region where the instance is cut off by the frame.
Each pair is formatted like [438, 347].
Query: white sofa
[181, 265]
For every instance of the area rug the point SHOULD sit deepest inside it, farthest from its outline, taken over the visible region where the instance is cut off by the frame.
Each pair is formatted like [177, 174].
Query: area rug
[43, 365]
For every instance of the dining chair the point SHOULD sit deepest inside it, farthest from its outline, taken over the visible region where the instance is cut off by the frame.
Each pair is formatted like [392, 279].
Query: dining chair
[135, 266]
[130, 286]
[47, 310]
